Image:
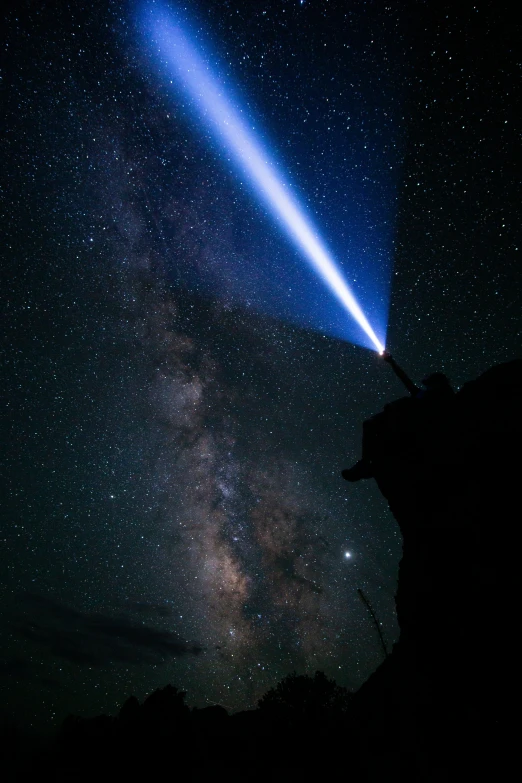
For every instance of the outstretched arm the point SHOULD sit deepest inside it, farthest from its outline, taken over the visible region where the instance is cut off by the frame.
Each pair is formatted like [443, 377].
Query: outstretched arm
[401, 375]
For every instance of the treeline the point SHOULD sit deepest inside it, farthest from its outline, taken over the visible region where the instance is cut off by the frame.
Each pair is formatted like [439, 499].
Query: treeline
[295, 731]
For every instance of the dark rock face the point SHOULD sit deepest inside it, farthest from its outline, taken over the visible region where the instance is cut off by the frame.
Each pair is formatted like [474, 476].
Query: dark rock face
[450, 469]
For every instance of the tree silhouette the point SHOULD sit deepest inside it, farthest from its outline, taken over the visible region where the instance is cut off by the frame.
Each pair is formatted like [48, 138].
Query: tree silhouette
[302, 697]
[166, 705]
[130, 710]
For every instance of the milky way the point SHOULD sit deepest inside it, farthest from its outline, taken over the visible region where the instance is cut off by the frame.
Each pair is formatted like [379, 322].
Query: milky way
[245, 558]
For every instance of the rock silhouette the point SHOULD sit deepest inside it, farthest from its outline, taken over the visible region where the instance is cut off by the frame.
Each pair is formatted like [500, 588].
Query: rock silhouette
[449, 468]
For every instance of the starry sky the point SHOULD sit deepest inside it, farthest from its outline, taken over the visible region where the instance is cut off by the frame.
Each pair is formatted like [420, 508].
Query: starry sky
[173, 509]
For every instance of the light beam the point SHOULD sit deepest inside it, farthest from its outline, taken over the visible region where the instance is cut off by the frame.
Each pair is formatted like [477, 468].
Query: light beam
[191, 72]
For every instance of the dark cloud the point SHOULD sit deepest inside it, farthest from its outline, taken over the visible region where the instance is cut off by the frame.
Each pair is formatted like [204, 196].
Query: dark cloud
[152, 610]
[95, 639]
[52, 683]
[15, 668]
[286, 567]
[18, 669]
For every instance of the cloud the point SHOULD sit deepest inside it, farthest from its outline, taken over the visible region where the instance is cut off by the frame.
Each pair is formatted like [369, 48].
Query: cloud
[152, 610]
[95, 639]
[15, 668]
[18, 669]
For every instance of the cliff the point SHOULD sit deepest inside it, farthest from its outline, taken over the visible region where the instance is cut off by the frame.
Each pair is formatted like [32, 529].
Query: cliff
[450, 469]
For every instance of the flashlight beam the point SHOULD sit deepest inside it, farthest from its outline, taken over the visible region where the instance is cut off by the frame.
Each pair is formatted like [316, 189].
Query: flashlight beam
[193, 75]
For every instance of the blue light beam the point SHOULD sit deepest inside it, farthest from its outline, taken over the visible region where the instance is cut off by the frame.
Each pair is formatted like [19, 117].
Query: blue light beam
[192, 74]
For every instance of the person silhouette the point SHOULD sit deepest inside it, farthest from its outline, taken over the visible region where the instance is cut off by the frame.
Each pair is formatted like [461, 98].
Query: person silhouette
[401, 375]
[377, 430]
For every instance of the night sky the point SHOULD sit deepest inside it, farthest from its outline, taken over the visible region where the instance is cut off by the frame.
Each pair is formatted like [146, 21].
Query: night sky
[173, 509]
